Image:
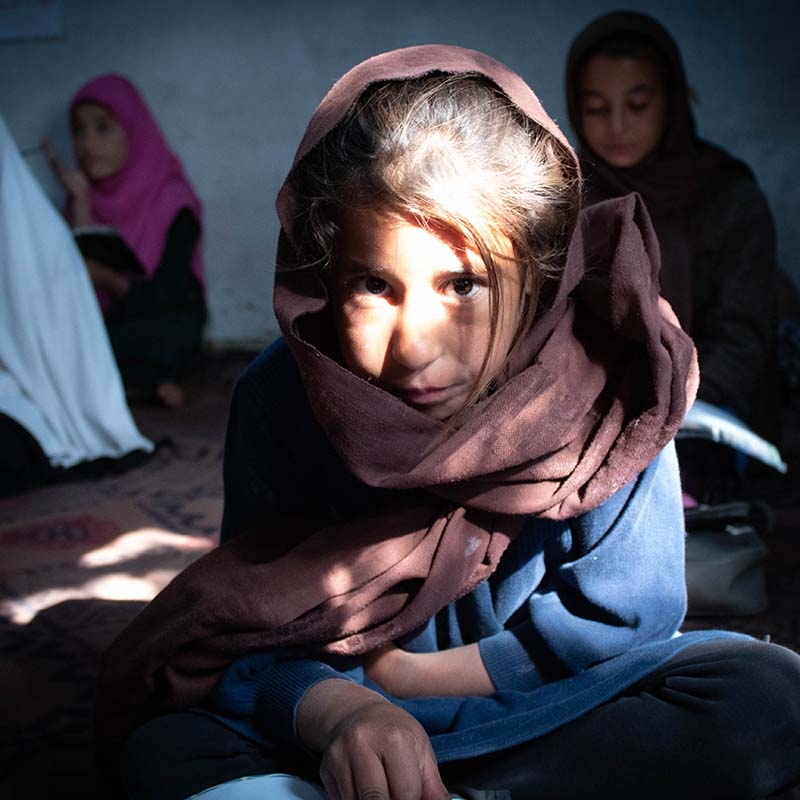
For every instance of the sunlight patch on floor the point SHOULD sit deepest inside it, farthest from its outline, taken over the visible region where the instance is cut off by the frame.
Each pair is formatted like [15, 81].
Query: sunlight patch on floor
[133, 566]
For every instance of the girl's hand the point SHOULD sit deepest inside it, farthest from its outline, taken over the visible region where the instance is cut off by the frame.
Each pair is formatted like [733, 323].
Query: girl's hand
[369, 746]
[75, 182]
[76, 186]
[108, 279]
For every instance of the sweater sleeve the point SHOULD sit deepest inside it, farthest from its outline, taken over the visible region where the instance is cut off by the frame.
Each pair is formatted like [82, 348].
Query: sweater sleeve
[617, 583]
[735, 274]
[266, 689]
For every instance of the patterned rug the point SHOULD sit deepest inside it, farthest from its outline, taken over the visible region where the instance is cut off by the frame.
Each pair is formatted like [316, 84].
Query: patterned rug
[79, 559]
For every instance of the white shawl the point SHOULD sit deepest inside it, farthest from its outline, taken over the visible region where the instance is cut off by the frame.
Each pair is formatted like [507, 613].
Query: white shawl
[58, 377]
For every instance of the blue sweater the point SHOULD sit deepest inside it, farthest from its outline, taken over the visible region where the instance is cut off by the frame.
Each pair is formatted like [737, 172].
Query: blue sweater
[577, 610]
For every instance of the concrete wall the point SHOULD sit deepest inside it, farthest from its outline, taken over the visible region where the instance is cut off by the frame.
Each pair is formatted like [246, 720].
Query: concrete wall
[233, 84]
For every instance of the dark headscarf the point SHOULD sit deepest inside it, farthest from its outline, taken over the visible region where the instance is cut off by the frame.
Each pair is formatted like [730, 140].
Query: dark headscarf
[602, 386]
[671, 179]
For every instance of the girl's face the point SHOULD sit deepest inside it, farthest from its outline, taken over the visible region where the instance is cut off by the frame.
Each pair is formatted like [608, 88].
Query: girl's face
[101, 144]
[411, 308]
[623, 107]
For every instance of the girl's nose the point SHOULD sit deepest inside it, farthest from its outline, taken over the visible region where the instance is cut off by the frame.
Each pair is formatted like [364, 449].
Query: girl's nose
[617, 121]
[416, 337]
[88, 137]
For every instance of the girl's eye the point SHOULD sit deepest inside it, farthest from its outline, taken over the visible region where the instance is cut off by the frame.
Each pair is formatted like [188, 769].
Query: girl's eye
[637, 108]
[464, 287]
[594, 112]
[374, 285]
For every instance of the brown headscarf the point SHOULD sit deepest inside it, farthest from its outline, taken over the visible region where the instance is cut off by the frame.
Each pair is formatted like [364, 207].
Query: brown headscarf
[597, 389]
[672, 178]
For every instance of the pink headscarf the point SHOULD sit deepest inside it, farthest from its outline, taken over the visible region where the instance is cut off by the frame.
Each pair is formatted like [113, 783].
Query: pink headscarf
[141, 200]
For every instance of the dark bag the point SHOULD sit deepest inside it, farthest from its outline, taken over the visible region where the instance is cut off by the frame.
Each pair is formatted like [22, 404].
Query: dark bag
[725, 555]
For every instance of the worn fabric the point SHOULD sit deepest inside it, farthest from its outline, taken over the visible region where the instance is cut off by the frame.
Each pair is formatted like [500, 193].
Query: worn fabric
[58, 378]
[714, 227]
[597, 388]
[143, 198]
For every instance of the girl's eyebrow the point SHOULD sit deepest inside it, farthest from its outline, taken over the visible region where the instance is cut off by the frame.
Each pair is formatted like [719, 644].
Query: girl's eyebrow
[356, 266]
[357, 271]
[640, 87]
[467, 272]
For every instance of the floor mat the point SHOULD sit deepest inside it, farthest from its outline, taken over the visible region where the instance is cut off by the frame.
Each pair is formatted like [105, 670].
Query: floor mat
[78, 560]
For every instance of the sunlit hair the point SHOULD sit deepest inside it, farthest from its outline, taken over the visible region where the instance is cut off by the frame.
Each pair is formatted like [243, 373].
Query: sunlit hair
[450, 152]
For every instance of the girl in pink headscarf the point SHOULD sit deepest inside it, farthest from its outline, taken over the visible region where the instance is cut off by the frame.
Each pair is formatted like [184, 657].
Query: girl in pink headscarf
[127, 178]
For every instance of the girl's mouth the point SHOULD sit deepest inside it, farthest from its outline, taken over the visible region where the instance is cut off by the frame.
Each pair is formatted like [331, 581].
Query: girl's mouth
[424, 396]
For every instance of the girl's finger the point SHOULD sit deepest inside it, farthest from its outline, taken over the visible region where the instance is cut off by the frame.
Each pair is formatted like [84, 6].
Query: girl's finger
[330, 786]
[329, 782]
[432, 786]
[49, 152]
[403, 776]
[369, 780]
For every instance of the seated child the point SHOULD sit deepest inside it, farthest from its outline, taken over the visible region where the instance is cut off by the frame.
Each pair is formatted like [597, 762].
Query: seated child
[452, 553]
[629, 104]
[128, 178]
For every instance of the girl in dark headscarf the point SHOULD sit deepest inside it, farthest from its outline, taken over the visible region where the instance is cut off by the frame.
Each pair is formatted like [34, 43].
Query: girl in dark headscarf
[629, 104]
[452, 541]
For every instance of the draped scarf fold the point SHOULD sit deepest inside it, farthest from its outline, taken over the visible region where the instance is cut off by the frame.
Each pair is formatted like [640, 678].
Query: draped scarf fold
[598, 386]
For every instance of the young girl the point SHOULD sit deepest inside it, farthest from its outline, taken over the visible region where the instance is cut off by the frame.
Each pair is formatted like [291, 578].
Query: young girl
[452, 550]
[629, 104]
[128, 178]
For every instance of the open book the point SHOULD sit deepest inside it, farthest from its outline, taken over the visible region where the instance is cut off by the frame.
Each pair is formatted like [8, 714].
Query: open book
[104, 244]
[705, 421]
